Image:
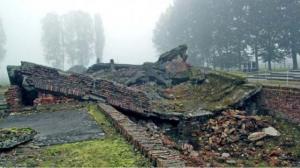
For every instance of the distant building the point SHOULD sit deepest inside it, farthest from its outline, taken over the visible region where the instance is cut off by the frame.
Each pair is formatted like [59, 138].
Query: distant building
[249, 67]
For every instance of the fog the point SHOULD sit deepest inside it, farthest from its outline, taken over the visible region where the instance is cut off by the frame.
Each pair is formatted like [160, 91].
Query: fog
[128, 28]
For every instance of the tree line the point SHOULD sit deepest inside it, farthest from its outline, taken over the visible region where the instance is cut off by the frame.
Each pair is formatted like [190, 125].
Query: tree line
[72, 38]
[227, 33]
[2, 41]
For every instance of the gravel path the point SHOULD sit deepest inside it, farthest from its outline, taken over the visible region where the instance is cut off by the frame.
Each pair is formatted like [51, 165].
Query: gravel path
[57, 127]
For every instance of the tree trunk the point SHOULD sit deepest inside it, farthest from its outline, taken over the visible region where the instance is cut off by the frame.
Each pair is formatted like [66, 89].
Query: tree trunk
[294, 57]
[256, 57]
[206, 57]
[270, 55]
[269, 65]
[240, 62]
[240, 58]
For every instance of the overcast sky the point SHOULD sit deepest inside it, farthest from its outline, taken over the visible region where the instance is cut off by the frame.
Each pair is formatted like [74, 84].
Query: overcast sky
[128, 27]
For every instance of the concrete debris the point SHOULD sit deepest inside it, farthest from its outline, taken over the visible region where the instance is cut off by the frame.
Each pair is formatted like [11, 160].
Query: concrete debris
[169, 88]
[257, 136]
[271, 131]
[235, 137]
[225, 155]
[15, 136]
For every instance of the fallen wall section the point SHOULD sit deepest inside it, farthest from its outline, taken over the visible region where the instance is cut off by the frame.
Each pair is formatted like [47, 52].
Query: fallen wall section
[33, 77]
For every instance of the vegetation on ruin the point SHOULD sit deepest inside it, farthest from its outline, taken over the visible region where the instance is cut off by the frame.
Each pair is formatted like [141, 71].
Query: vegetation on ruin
[11, 133]
[219, 91]
[111, 151]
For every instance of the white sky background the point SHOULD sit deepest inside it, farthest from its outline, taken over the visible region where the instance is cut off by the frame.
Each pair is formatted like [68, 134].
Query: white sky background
[128, 26]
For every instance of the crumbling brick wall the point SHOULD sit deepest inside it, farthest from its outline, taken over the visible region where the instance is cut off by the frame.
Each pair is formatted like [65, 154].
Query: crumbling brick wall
[47, 99]
[281, 101]
[13, 97]
[83, 87]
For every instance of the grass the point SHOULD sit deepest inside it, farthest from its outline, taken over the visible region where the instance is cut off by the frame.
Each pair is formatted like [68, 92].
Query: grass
[263, 70]
[238, 73]
[288, 130]
[111, 151]
[276, 83]
[268, 82]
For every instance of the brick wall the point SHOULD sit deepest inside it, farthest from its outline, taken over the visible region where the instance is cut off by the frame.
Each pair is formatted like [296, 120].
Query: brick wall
[281, 101]
[82, 87]
[47, 99]
[148, 143]
[14, 98]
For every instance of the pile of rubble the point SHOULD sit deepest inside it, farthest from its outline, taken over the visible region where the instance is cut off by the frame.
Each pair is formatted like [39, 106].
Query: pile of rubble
[234, 126]
[234, 138]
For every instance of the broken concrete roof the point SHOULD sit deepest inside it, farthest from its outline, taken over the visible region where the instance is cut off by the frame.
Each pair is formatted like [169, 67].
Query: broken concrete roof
[168, 88]
[172, 54]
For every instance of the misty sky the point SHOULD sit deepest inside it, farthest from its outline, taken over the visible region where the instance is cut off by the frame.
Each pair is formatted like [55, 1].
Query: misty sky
[128, 26]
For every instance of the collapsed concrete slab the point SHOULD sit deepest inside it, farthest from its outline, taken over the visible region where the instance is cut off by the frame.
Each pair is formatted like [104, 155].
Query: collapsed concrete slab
[175, 86]
[11, 137]
[33, 78]
[169, 88]
[170, 69]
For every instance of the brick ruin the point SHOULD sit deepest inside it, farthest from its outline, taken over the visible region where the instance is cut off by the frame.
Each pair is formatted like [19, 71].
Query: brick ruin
[150, 145]
[281, 101]
[52, 86]
[14, 98]
[40, 80]
[138, 88]
[34, 84]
